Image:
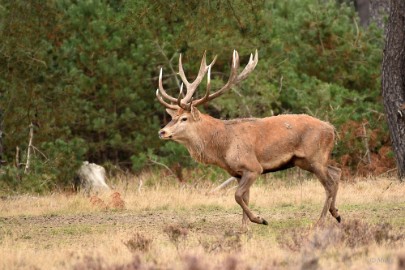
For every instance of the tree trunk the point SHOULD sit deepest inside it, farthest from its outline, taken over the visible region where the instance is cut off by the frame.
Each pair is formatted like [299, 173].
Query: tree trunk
[363, 9]
[393, 81]
[1, 137]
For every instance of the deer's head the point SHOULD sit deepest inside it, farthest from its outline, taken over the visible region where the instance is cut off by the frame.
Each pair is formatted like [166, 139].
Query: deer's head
[183, 109]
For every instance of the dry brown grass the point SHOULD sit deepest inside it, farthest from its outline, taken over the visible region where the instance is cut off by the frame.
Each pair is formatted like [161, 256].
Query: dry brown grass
[167, 226]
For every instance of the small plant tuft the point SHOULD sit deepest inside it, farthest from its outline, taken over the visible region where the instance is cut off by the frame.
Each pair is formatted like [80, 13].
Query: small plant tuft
[176, 233]
[228, 242]
[138, 242]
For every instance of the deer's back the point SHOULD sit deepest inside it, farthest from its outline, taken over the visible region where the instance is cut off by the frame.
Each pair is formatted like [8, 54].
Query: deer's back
[286, 126]
[275, 141]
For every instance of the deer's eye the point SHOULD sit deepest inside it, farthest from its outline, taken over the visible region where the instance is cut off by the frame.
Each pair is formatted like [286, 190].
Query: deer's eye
[183, 119]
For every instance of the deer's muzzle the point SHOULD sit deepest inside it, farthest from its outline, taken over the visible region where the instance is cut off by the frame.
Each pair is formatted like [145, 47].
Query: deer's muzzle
[164, 135]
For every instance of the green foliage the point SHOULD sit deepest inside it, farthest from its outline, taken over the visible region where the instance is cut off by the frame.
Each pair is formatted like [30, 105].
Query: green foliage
[55, 170]
[86, 75]
[64, 158]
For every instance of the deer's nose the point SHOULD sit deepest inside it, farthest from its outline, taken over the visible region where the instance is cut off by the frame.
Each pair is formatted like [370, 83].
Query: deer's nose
[165, 135]
[162, 133]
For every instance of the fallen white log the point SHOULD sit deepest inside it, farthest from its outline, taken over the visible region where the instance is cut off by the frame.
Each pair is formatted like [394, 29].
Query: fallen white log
[92, 177]
[223, 185]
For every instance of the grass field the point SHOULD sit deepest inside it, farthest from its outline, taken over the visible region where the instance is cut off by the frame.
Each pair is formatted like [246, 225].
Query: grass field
[165, 226]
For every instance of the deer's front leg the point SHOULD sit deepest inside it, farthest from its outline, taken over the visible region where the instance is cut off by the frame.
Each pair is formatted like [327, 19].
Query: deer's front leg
[244, 185]
[245, 218]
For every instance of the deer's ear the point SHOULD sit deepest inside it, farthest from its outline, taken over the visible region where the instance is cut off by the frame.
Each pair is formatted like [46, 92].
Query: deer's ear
[171, 112]
[195, 113]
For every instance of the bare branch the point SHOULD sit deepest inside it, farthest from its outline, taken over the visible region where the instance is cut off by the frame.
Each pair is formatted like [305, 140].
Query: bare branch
[163, 165]
[281, 84]
[17, 157]
[365, 140]
[27, 165]
[42, 154]
[169, 62]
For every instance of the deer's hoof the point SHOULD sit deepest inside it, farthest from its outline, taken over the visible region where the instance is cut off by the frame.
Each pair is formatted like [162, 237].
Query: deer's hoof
[264, 222]
[338, 218]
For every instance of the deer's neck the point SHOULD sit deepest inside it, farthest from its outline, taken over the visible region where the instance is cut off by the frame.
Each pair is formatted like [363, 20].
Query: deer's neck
[209, 143]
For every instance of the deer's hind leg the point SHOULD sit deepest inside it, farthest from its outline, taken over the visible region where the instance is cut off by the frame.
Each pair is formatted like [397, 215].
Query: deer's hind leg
[245, 218]
[329, 177]
[335, 174]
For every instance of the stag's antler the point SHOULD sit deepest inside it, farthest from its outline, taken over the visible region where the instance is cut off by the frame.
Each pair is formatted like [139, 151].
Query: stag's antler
[187, 101]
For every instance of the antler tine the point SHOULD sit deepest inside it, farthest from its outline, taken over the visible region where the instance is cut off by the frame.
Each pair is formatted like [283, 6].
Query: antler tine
[161, 101]
[181, 72]
[234, 78]
[235, 60]
[230, 82]
[213, 61]
[162, 90]
[207, 92]
[249, 67]
[234, 68]
[179, 98]
[191, 87]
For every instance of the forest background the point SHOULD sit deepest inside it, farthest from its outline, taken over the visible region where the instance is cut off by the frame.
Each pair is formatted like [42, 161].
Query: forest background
[82, 76]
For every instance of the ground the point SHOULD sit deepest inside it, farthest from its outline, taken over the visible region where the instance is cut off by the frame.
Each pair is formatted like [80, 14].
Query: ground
[168, 226]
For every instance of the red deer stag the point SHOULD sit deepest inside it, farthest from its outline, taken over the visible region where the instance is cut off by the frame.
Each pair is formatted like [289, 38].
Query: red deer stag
[248, 147]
